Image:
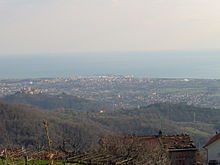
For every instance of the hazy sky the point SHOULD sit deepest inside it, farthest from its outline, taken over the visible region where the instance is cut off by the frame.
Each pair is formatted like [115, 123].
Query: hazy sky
[62, 26]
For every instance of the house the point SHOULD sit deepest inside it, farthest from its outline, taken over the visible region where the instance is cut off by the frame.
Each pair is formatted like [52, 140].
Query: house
[213, 150]
[154, 149]
[181, 149]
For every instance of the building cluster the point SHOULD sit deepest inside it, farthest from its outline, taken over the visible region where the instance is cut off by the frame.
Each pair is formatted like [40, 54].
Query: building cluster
[123, 91]
[31, 91]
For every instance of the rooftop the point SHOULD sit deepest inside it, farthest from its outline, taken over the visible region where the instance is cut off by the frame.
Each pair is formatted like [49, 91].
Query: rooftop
[212, 140]
[180, 141]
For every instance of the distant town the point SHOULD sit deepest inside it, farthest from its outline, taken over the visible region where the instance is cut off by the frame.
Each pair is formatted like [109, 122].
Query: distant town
[122, 91]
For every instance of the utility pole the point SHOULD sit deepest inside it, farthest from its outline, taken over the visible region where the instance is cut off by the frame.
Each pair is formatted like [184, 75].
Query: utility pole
[194, 117]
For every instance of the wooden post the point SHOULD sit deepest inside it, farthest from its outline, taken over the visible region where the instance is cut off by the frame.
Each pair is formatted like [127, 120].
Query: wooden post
[26, 159]
[49, 141]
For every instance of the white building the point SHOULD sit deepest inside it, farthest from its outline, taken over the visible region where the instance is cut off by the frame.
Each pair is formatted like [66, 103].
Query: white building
[213, 150]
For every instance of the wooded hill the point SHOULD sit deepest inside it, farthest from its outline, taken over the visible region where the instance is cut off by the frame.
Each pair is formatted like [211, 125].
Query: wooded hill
[63, 100]
[22, 124]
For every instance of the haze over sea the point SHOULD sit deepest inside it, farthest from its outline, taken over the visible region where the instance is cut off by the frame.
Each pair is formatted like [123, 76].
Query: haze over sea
[158, 64]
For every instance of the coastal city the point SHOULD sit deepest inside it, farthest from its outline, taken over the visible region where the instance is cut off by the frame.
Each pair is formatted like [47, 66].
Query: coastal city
[122, 91]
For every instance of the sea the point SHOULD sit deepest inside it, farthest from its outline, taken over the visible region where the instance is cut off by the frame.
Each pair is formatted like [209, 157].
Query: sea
[154, 64]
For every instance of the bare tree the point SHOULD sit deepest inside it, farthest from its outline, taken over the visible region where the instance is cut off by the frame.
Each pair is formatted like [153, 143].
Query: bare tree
[49, 141]
[134, 150]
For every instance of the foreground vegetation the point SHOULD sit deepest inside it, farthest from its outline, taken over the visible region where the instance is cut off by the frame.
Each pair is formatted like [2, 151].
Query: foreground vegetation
[31, 162]
[36, 162]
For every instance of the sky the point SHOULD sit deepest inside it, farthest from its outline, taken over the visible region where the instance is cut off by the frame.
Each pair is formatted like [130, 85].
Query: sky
[65, 26]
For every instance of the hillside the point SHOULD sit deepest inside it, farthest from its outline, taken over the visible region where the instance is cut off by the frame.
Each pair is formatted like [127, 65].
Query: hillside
[200, 123]
[22, 124]
[46, 101]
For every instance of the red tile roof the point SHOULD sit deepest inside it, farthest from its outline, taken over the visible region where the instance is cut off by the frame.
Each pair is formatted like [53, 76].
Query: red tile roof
[212, 140]
[169, 142]
[182, 141]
